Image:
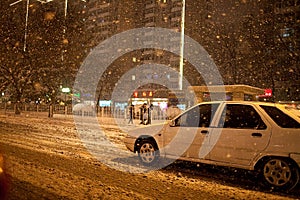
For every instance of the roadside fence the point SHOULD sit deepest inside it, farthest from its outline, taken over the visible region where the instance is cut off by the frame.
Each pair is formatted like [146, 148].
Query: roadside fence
[116, 112]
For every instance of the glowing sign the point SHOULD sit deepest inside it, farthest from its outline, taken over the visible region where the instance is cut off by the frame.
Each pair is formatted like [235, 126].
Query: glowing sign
[268, 92]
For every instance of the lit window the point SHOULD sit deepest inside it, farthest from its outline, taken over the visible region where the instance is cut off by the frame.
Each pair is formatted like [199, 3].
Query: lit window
[287, 32]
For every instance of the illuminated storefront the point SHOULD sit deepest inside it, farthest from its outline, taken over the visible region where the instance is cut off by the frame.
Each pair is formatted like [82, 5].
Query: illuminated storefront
[158, 98]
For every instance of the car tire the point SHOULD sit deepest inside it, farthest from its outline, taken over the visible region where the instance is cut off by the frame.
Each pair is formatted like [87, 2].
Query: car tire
[148, 152]
[279, 174]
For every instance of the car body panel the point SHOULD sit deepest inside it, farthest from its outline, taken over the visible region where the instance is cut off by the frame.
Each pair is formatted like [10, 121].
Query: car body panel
[240, 145]
[182, 141]
[147, 131]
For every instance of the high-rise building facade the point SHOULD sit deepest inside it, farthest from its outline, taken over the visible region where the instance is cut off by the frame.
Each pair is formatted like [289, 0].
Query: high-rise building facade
[107, 18]
[252, 42]
[287, 65]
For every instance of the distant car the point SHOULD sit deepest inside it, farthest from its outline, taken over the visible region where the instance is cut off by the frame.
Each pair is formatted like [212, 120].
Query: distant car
[250, 135]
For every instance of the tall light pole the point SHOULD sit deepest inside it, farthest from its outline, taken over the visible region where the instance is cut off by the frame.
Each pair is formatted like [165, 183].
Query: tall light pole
[26, 18]
[181, 45]
[26, 21]
[65, 27]
[64, 30]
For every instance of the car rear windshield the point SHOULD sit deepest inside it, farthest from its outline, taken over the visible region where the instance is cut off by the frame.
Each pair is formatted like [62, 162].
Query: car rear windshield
[280, 118]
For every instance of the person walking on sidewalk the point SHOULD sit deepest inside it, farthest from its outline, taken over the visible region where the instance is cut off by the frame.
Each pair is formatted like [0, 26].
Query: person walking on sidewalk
[150, 114]
[131, 114]
[143, 114]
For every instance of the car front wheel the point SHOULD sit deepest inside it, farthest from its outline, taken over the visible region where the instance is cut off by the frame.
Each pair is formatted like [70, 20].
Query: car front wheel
[279, 174]
[148, 152]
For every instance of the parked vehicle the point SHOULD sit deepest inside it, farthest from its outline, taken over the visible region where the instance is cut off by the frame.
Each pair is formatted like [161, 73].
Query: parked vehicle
[250, 135]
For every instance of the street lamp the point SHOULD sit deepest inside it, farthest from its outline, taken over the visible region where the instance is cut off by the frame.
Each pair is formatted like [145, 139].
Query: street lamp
[66, 90]
[181, 45]
[44, 1]
[26, 17]
[26, 21]
[27, 13]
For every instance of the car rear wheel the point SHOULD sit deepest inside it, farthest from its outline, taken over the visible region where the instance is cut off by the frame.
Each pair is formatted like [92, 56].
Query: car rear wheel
[279, 174]
[148, 152]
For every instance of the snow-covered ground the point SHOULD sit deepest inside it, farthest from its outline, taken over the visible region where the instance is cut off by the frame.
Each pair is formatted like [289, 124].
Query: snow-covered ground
[46, 158]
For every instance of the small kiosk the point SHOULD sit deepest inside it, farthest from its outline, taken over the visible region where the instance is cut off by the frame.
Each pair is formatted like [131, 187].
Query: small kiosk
[233, 92]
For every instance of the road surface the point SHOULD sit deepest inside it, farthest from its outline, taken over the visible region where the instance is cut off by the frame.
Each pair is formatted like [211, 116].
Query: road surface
[46, 159]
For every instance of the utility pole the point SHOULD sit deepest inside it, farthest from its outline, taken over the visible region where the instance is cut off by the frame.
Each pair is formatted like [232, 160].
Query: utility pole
[182, 45]
[26, 18]
[26, 21]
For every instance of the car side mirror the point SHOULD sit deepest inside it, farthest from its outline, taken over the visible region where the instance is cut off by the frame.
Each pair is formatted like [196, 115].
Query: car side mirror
[172, 123]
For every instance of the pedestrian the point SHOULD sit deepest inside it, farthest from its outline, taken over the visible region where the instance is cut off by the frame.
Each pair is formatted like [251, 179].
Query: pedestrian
[143, 111]
[150, 114]
[145, 117]
[142, 114]
[131, 113]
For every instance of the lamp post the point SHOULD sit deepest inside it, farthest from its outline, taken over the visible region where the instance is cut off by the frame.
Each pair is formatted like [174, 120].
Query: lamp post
[26, 21]
[66, 90]
[26, 18]
[181, 45]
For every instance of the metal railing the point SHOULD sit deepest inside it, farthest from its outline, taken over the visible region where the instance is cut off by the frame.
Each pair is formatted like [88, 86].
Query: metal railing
[116, 112]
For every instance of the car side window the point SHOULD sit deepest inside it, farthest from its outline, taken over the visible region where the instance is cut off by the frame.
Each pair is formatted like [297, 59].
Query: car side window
[242, 117]
[199, 116]
[207, 113]
[190, 118]
[280, 118]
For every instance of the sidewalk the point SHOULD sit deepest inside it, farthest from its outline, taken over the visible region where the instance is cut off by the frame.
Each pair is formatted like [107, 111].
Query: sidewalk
[137, 122]
[123, 122]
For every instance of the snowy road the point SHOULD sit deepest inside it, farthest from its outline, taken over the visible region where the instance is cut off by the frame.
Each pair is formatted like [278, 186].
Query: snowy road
[45, 159]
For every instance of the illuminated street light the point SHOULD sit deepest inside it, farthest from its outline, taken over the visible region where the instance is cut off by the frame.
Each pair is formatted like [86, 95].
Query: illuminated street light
[27, 13]
[44, 1]
[15, 2]
[66, 90]
[26, 21]
[26, 17]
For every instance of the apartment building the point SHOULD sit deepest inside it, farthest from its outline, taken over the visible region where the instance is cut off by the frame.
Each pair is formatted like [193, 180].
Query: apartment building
[287, 27]
[110, 17]
[241, 36]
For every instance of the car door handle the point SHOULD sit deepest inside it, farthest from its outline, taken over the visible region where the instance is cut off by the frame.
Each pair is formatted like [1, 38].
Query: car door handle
[256, 134]
[204, 131]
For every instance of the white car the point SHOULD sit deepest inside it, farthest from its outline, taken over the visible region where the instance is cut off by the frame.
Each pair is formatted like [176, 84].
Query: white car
[251, 135]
